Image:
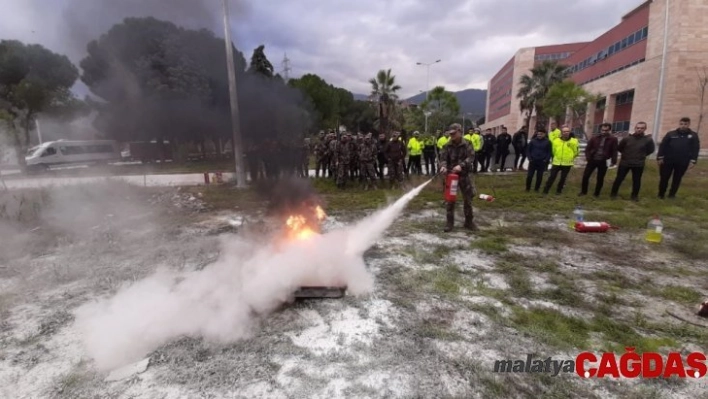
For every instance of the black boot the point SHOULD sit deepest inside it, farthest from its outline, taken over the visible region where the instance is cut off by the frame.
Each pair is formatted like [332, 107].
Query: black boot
[469, 224]
[450, 223]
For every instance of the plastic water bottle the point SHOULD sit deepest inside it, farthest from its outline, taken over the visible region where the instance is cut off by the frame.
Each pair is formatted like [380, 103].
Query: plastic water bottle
[655, 230]
[578, 216]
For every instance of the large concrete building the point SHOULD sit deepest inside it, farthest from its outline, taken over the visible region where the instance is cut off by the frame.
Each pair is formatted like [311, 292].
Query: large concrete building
[624, 66]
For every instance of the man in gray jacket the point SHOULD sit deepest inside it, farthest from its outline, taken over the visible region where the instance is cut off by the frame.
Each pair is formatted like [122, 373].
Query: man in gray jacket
[634, 150]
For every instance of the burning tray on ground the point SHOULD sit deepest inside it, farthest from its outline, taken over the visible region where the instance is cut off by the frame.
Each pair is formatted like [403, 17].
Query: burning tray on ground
[320, 292]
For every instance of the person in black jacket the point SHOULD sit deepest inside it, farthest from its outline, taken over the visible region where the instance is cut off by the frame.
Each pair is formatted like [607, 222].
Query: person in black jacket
[599, 149]
[678, 152]
[381, 156]
[634, 150]
[489, 142]
[503, 143]
[520, 141]
[539, 153]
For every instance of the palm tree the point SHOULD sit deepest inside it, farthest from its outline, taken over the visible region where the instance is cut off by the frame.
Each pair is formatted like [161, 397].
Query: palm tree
[444, 107]
[384, 88]
[535, 86]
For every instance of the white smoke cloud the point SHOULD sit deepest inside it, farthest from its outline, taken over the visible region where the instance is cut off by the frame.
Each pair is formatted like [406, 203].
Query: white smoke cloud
[222, 303]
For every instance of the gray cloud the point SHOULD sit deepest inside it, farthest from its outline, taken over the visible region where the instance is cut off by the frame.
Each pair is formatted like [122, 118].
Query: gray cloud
[346, 43]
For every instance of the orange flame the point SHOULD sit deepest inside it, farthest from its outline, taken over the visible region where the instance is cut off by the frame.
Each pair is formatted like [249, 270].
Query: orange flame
[320, 213]
[299, 228]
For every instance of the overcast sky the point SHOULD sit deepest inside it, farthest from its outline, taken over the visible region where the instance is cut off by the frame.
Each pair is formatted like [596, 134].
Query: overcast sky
[344, 42]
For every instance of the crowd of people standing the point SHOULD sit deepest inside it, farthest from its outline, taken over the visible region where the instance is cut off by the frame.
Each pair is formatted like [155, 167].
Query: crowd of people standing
[677, 152]
[369, 161]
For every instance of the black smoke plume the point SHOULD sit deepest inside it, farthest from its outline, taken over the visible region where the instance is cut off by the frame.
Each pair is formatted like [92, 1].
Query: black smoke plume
[160, 74]
[289, 196]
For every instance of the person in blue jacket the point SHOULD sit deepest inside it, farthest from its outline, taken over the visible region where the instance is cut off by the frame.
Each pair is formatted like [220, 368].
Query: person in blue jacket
[539, 153]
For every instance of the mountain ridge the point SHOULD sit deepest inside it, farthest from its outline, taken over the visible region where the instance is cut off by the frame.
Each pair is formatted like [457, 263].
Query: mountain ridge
[471, 101]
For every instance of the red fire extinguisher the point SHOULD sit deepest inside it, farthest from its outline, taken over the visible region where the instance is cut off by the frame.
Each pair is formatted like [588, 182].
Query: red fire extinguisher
[451, 182]
[592, 227]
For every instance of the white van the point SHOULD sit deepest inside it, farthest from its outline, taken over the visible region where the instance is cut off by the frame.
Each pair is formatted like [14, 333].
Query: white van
[66, 152]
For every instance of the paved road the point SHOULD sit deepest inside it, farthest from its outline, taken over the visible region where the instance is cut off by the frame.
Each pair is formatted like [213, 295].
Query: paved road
[156, 180]
[144, 180]
[164, 180]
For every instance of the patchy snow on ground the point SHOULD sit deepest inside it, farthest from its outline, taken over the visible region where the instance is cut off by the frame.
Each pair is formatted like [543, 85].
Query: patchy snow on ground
[493, 280]
[342, 329]
[472, 260]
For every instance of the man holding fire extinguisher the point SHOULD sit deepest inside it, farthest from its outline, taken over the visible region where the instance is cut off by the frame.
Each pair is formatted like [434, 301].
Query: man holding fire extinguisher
[458, 155]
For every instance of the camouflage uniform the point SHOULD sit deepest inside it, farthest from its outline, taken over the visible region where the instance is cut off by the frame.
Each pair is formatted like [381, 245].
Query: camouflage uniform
[462, 154]
[305, 150]
[354, 160]
[322, 155]
[331, 151]
[395, 152]
[367, 156]
[252, 160]
[343, 158]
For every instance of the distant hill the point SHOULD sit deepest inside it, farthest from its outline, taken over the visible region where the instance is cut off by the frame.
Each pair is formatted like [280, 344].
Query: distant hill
[471, 100]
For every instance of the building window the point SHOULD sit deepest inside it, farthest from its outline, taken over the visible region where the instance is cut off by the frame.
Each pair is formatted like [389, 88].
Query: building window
[621, 126]
[624, 98]
[645, 32]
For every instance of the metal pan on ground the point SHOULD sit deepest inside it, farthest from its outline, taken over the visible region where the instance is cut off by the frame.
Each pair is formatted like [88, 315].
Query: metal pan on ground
[320, 292]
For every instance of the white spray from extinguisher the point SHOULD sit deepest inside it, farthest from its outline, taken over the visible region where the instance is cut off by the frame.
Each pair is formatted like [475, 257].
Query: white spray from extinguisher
[224, 301]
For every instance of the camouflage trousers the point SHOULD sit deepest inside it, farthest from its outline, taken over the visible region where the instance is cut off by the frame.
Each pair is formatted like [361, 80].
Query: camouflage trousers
[354, 168]
[466, 189]
[342, 173]
[322, 164]
[395, 170]
[305, 167]
[368, 171]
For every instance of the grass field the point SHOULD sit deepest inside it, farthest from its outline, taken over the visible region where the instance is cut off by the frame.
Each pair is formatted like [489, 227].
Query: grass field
[685, 216]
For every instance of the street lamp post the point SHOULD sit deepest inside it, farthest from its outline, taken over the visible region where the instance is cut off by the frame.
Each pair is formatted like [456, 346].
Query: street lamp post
[39, 130]
[427, 78]
[427, 114]
[235, 118]
[464, 116]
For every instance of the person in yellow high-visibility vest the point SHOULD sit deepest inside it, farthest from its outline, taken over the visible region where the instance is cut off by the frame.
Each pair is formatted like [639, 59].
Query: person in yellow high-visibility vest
[415, 151]
[442, 140]
[477, 141]
[429, 154]
[565, 150]
[468, 136]
[554, 132]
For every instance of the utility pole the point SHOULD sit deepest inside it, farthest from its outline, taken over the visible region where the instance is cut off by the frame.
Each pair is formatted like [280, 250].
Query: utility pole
[39, 130]
[662, 73]
[235, 118]
[427, 78]
[286, 68]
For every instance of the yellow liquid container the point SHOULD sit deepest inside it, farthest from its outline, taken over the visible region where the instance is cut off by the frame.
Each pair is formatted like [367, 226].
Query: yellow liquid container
[655, 230]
